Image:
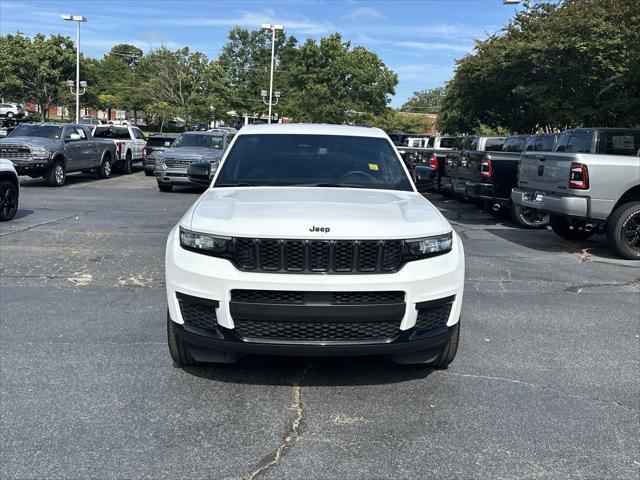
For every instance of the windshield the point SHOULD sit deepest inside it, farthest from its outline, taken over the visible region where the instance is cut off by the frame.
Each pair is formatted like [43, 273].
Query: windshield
[316, 160]
[204, 141]
[42, 131]
[112, 132]
[159, 141]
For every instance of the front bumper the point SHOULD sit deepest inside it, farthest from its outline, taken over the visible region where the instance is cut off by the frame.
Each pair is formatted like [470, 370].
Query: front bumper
[172, 176]
[204, 277]
[565, 205]
[225, 340]
[34, 167]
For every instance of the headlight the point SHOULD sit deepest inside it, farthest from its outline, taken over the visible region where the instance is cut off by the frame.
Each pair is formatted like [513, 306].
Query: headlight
[39, 152]
[205, 243]
[159, 163]
[429, 246]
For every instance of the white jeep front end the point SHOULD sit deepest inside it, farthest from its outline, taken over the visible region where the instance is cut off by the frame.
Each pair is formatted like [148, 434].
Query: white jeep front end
[314, 268]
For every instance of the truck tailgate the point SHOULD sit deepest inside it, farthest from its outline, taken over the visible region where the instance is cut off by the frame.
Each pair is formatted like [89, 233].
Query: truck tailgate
[545, 171]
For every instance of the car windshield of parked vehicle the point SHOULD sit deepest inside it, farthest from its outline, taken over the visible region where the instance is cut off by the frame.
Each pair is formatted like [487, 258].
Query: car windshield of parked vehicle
[112, 132]
[202, 141]
[42, 131]
[159, 141]
[313, 160]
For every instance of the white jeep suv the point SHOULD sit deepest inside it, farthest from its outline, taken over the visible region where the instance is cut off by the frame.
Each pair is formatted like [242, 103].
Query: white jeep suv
[312, 240]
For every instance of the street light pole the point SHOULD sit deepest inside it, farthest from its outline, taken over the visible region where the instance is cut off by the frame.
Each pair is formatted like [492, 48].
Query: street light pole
[273, 28]
[78, 19]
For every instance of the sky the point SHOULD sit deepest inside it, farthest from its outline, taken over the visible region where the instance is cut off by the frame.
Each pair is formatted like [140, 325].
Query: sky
[419, 40]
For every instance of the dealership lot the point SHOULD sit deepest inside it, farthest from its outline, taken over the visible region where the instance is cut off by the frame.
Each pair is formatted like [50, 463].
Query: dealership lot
[545, 383]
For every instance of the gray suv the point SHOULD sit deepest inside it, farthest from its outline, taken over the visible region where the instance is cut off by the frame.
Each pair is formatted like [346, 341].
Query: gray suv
[190, 147]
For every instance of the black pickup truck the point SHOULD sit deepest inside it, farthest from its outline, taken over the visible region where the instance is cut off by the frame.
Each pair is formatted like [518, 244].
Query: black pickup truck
[473, 147]
[491, 177]
[429, 162]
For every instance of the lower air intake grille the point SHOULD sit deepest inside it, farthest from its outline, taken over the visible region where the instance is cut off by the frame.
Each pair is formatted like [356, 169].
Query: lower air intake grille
[317, 332]
[198, 315]
[431, 319]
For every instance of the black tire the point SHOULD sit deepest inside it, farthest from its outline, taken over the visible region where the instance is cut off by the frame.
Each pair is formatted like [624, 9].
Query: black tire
[8, 200]
[177, 348]
[529, 217]
[56, 174]
[560, 225]
[432, 358]
[148, 173]
[127, 164]
[623, 230]
[165, 188]
[104, 170]
[449, 350]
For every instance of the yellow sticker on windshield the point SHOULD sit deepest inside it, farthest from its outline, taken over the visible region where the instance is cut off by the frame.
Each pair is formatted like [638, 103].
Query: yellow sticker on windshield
[373, 166]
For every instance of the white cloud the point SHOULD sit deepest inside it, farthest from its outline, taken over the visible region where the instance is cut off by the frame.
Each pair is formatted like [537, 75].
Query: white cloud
[298, 23]
[435, 46]
[363, 13]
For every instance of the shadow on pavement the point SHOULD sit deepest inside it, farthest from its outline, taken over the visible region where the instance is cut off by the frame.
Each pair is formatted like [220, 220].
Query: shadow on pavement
[22, 212]
[320, 371]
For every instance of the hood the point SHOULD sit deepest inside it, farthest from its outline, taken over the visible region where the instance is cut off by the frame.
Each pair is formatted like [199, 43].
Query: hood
[38, 141]
[332, 213]
[193, 153]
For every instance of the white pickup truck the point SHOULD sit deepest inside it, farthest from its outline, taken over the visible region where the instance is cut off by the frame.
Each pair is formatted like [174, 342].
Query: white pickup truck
[130, 143]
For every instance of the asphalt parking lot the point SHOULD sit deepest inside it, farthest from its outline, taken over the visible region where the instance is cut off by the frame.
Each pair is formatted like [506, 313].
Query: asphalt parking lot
[545, 384]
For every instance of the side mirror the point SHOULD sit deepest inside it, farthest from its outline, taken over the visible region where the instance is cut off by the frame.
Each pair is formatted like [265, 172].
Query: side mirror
[200, 173]
[425, 177]
[73, 137]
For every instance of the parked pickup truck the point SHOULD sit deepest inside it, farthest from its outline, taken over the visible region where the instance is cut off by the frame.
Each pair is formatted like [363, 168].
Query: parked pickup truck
[129, 142]
[473, 148]
[489, 178]
[52, 150]
[429, 167]
[589, 184]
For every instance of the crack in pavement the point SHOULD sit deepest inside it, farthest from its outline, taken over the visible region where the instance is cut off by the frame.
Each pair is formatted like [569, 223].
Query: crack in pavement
[291, 434]
[578, 288]
[31, 227]
[539, 387]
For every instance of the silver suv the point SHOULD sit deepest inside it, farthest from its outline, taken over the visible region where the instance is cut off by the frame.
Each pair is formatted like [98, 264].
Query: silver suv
[190, 147]
[12, 110]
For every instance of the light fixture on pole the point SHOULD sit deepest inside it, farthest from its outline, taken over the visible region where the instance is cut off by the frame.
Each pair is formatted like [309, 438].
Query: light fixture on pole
[78, 19]
[511, 2]
[273, 28]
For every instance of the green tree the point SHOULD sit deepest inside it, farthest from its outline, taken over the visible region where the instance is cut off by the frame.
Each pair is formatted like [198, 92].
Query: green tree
[571, 64]
[330, 80]
[424, 101]
[36, 70]
[246, 61]
[192, 86]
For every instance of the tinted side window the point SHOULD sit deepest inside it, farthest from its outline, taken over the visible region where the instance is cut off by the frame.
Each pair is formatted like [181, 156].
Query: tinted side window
[494, 144]
[580, 142]
[531, 143]
[619, 143]
[563, 141]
